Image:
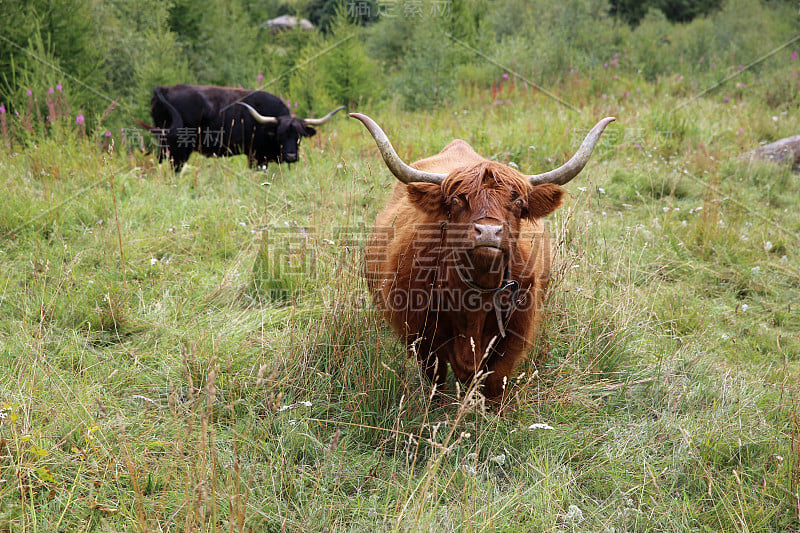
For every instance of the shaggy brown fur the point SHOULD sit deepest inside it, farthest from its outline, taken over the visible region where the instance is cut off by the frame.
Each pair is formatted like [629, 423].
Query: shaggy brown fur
[435, 286]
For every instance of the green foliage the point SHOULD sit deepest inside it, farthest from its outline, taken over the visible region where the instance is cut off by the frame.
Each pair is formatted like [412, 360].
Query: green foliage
[149, 68]
[225, 51]
[633, 11]
[347, 74]
[544, 41]
[45, 43]
[142, 53]
[714, 46]
[425, 79]
[324, 13]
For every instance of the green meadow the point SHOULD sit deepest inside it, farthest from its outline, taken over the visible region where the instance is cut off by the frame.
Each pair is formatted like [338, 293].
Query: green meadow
[198, 351]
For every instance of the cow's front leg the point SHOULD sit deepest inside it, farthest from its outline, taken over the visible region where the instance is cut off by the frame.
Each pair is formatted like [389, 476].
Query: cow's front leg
[500, 368]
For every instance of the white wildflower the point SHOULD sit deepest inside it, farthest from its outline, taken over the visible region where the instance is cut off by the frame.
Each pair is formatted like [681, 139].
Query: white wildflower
[601, 190]
[294, 406]
[745, 307]
[755, 270]
[499, 459]
[574, 514]
[767, 246]
[540, 425]
[783, 260]
[153, 260]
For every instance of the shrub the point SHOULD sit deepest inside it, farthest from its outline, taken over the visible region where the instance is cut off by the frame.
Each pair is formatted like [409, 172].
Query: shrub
[347, 74]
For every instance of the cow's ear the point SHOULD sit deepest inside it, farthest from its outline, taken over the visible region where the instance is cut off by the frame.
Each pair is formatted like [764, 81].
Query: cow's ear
[309, 131]
[426, 196]
[543, 200]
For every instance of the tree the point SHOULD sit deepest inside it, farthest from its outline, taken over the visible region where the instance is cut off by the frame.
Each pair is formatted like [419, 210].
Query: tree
[49, 40]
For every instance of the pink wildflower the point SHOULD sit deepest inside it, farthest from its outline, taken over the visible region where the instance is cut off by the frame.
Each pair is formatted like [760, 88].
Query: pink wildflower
[79, 120]
[794, 55]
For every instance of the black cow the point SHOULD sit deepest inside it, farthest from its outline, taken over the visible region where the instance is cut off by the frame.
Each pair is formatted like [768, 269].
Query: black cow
[220, 121]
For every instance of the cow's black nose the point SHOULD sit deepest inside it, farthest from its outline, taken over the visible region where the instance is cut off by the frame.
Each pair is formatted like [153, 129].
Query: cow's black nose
[487, 234]
[290, 158]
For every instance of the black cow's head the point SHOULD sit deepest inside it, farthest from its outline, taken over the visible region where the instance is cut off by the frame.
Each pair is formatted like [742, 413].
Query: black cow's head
[291, 130]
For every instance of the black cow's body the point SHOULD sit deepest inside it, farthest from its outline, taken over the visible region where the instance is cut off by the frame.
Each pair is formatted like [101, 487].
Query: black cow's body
[211, 120]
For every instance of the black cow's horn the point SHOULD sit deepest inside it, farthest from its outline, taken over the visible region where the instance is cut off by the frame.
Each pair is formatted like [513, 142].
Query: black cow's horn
[258, 116]
[401, 171]
[323, 120]
[573, 167]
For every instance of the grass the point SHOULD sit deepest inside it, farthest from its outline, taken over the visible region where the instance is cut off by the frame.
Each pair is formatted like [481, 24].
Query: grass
[196, 352]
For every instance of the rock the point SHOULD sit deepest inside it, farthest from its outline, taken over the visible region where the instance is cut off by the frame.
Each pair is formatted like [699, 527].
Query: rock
[287, 22]
[784, 151]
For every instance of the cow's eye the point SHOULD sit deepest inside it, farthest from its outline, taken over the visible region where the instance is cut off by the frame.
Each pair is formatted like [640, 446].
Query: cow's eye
[457, 202]
[519, 203]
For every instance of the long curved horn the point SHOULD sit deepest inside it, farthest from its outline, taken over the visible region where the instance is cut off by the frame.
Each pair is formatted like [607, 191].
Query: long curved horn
[401, 171]
[258, 116]
[323, 120]
[573, 167]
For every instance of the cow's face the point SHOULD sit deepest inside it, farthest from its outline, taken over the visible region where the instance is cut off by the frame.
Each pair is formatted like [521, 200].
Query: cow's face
[483, 206]
[290, 131]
